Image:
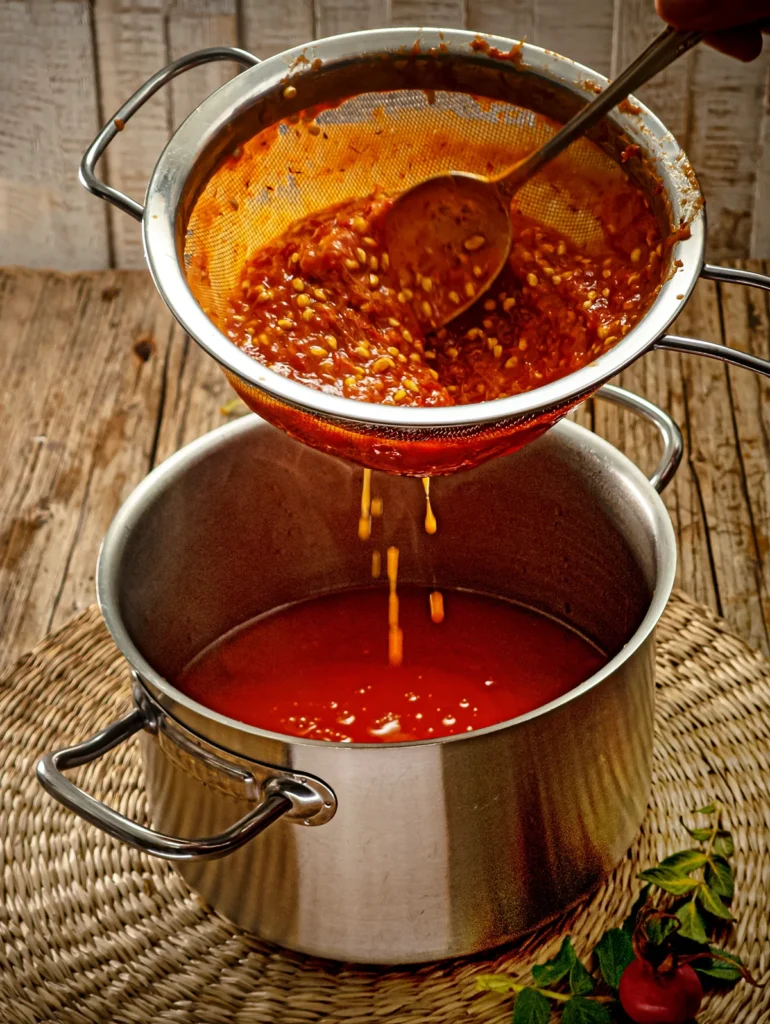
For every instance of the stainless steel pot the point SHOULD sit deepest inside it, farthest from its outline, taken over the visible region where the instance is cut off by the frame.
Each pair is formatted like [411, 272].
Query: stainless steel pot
[421, 850]
[401, 63]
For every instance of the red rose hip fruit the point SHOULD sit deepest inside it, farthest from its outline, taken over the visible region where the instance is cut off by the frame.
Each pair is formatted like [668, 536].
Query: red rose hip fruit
[673, 997]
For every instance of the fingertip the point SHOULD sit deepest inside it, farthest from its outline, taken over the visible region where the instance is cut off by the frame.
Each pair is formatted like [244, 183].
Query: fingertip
[744, 44]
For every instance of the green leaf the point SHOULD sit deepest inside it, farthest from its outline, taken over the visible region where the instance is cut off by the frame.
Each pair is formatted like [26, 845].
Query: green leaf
[555, 970]
[708, 809]
[719, 877]
[658, 930]
[670, 880]
[580, 981]
[531, 1008]
[495, 983]
[723, 844]
[614, 951]
[693, 925]
[684, 862]
[630, 922]
[701, 834]
[712, 902]
[718, 968]
[585, 1011]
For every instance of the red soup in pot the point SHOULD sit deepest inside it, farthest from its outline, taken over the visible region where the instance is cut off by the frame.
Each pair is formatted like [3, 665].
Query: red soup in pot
[320, 669]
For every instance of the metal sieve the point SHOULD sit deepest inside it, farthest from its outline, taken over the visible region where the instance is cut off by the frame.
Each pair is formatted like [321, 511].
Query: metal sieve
[339, 117]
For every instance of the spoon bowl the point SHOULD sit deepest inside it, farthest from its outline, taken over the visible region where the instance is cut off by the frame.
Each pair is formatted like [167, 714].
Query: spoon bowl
[449, 237]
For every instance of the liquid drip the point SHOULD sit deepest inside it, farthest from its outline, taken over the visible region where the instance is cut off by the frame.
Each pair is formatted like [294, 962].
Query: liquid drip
[365, 519]
[395, 634]
[430, 520]
[436, 606]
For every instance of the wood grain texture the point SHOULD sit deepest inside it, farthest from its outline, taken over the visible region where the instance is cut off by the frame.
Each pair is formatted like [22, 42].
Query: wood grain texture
[68, 64]
[746, 325]
[715, 460]
[446, 13]
[724, 144]
[336, 16]
[514, 19]
[717, 500]
[660, 377]
[82, 373]
[263, 33]
[760, 221]
[132, 45]
[669, 94]
[194, 25]
[583, 33]
[48, 116]
[118, 387]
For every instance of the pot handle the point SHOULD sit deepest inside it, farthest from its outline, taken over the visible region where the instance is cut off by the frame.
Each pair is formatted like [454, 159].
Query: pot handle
[125, 113]
[711, 349]
[280, 796]
[673, 445]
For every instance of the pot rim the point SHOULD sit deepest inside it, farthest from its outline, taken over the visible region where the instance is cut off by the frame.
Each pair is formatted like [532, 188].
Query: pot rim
[107, 580]
[165, 192]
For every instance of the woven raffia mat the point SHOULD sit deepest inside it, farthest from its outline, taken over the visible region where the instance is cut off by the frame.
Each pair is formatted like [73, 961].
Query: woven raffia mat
[92, 931]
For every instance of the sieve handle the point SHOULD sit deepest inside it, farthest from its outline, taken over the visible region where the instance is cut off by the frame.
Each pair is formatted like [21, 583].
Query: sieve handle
[118, 122]
[711, 349]
[673, 444]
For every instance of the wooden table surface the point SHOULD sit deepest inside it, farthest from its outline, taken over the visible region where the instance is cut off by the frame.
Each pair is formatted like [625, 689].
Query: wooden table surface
[99, 384]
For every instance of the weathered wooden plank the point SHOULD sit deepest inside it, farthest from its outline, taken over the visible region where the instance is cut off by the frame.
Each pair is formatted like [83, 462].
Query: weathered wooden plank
[196, 396]
[48, 116]
[193, 25]
[335, 16]
[760, 222]
[263, 33]
[431, 13]
[714, 454]
[132, 46]
[669, 94]
[707, 501]
[746, 318]
[583, 33]
[514, 19]
[55, 85]
[663, 379]
[723, 144]
[83, 368]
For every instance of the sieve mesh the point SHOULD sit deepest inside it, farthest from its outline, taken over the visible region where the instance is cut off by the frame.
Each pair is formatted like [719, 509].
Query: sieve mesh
[337, 121]
[391, 140]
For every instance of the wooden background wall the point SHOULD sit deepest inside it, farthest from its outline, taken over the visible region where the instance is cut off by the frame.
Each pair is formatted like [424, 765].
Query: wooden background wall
[66, 66]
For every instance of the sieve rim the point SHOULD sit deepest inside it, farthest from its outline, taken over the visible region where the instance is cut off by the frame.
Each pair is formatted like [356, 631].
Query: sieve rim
[160, 232]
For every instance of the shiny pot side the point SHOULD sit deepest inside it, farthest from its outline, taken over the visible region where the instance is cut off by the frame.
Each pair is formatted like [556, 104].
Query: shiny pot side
[439, 848]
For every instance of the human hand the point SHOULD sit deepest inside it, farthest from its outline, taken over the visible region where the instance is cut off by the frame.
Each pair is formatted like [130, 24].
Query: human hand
[734, 27]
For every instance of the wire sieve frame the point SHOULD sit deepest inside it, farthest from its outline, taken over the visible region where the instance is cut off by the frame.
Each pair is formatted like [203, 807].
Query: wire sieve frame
[210, 128]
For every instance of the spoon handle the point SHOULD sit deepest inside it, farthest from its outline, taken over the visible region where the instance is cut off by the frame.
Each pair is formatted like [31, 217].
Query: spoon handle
[669, 45]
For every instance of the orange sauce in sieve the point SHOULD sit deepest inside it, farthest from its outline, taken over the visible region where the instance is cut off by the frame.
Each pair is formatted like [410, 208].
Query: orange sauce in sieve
[320, 304]
[320, 668]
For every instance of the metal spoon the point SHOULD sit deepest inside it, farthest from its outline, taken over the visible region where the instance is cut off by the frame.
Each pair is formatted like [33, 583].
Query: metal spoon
[431, 226]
